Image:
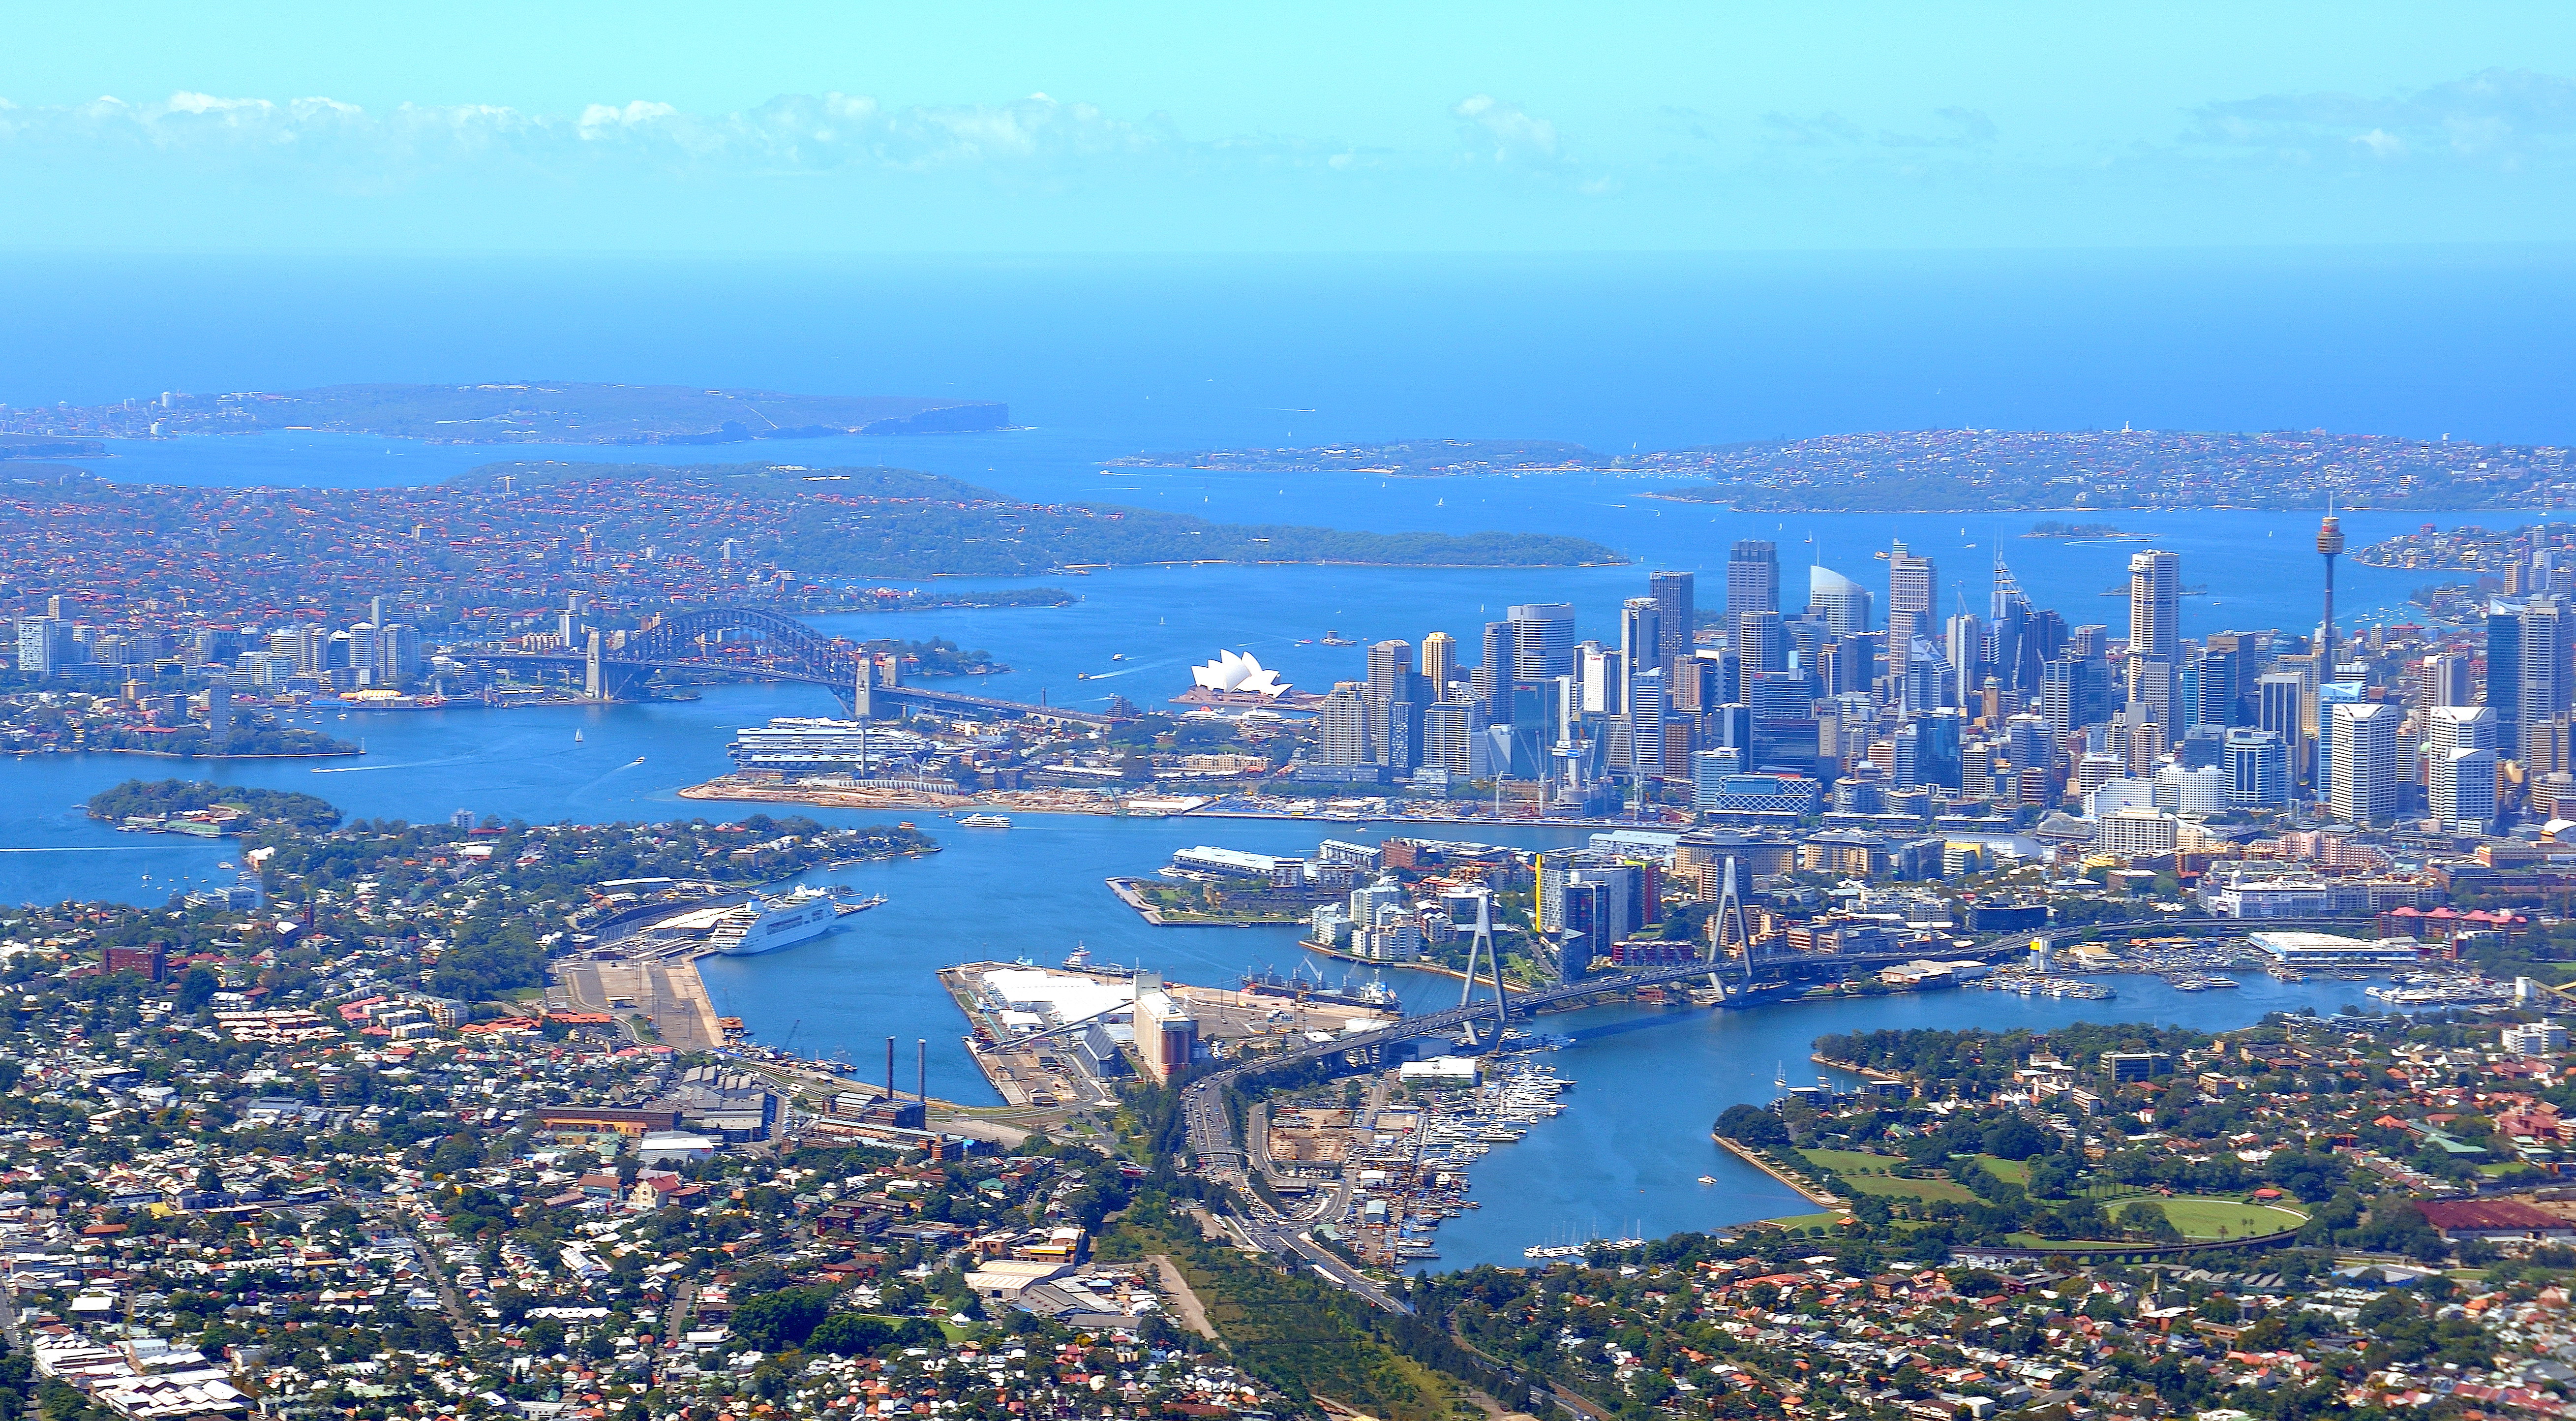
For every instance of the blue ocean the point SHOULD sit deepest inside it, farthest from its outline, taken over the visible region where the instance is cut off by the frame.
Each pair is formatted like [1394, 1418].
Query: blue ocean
[1182, 352]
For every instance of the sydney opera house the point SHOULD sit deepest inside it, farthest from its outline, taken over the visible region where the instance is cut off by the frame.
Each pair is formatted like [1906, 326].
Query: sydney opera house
[1238, 679]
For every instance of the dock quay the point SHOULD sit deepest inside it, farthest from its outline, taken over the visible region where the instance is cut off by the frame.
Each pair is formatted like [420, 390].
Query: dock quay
[1058, 1037]
[1125, 888]
[665, 991]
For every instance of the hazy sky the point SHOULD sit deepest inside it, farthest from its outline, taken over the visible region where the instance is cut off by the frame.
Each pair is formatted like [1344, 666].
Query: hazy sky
[1419, 127]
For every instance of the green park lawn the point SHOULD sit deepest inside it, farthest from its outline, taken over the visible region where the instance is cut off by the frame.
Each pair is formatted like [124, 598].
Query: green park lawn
[1850, 1162]
[1869, 1173]
[2010, 1171]
[2201, 1217]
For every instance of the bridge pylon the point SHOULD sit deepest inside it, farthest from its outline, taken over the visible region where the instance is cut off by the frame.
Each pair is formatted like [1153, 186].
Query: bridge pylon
[1729, 915]
[1483, 948]
[863, 686]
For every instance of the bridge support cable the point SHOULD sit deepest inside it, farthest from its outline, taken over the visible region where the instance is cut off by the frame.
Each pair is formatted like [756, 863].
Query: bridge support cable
[1726, 925]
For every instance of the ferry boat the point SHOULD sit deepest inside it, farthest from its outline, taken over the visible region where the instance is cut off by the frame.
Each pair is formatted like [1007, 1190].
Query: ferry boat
[986, 821]
[766, 924]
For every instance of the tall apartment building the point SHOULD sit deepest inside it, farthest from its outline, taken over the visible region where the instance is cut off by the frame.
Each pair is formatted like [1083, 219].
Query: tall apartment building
[1439, 663]
[1345, 719]
[2363, 784]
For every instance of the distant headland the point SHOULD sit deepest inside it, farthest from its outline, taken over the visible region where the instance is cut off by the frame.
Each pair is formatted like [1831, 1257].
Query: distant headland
[527, 412]
[1986, 470]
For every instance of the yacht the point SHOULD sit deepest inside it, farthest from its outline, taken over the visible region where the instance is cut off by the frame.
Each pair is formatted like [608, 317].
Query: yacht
[986, 821]
[766, 924]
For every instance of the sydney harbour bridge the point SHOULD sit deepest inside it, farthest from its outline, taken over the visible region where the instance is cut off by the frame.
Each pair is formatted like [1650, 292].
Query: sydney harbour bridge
[747, 642]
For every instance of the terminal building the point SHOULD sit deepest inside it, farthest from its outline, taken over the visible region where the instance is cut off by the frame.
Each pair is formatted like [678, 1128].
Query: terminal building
[2298, 949]
[806, 745]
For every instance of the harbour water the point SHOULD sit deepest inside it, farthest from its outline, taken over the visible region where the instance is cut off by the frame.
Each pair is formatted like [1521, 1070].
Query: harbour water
[2260, 567]
[1175, 355]
[1627, 1155]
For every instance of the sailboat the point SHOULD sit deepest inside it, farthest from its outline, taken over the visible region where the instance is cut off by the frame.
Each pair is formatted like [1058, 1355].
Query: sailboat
[576, 737]
[1780, 1074]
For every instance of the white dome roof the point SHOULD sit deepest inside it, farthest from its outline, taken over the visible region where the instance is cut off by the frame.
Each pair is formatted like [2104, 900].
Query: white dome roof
[1825, 582]
[1238, 671]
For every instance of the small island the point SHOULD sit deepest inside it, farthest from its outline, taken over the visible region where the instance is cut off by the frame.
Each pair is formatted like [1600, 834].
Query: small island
[209, 810]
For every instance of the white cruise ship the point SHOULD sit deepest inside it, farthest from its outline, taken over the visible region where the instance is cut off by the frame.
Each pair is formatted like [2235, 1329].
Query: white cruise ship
[766, 924]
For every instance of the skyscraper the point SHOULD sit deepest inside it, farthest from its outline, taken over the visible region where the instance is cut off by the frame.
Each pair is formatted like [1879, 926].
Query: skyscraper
[1401, 736]
[1674, 613]
[1761, 645]
[2443, 681]
[43, 645]
[1445, 731]
[2449, 728]
[1967, 658]
[1601, 679]
[2364, 784]
[1844, 603]
[1646, 724]
[1439, 663]
[2155, 602]
[2151, 688]
[1910, 587]
[2280, 706]
[1641, 641]
[2460, 765]
[1390, 668]
[1752, 578]
[2504, 671]
[2069, 695]
[2460, 788]
[1345, 725]
[1542, 640]
[2008, 615]
[1390, 682]
[2258, 769]
[2542, 662]
[2219, 688]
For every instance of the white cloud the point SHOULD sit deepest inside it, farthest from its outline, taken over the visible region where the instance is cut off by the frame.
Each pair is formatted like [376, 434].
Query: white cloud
[601, 118]
[2504, 117]
[1505, 133]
